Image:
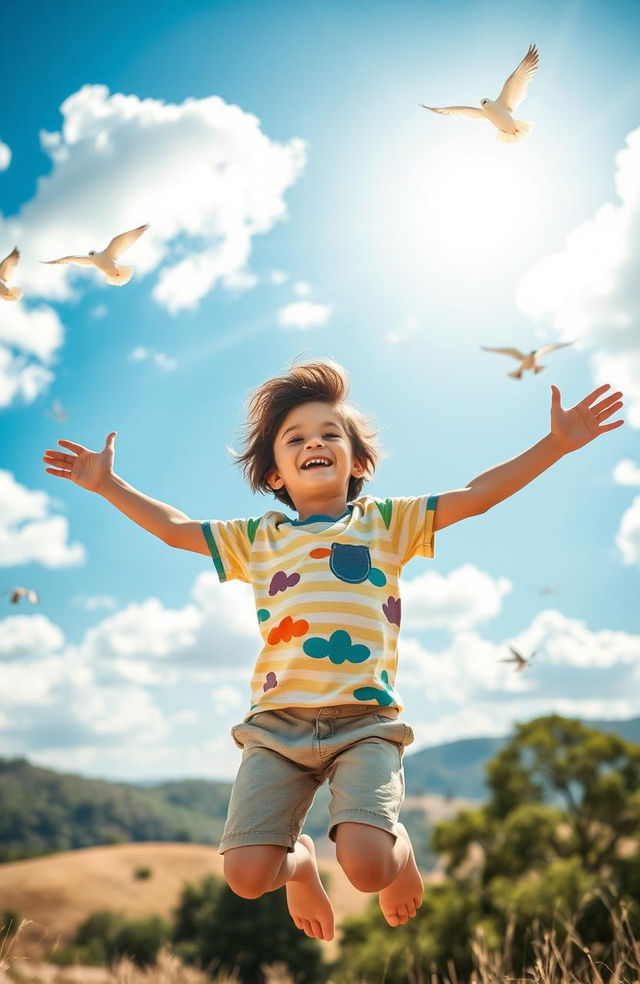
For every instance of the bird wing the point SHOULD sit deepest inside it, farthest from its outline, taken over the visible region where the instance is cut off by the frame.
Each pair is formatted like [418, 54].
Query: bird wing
[82, 260]
[515, 652]
[506, 351]
[550, 348]
[470, 111]
[515, 88]
[119, 243]
[9, 263]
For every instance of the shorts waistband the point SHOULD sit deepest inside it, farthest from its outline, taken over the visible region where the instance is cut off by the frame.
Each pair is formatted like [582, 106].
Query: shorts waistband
[336, 711]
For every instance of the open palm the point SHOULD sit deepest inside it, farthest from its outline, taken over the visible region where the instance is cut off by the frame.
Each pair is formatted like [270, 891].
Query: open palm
[86, 468]
[576, 427]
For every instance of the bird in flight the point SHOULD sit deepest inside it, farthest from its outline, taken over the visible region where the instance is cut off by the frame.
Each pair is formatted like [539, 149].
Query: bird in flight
[527, 360]
[105, 260]
[500, 111]
[18, 593]
[7, 267]
[521, 662]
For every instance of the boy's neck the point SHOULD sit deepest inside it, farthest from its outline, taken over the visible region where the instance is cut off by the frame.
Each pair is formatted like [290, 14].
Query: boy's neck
[334, 507]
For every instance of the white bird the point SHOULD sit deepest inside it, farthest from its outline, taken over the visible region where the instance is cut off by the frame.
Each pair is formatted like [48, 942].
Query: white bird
[521, 662]
[528, 360]
[499, 111]
[18, 593]
[105, 261]
[57, 411]
[7, 267]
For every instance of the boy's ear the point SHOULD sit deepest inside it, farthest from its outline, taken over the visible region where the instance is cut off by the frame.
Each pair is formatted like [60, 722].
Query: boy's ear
[274, 481]
[357, 469]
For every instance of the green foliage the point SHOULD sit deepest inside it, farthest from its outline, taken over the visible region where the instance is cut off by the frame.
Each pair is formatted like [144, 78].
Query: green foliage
[224, 933]
[43, 811]
[143, 872]
[9, 921]
[106, 936]
[556, 842]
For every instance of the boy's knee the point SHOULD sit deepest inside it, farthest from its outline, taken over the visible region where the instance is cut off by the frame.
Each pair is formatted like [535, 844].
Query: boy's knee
[365, 855]
[251, 871]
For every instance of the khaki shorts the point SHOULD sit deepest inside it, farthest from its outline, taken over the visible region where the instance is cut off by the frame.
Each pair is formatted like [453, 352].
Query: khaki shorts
[289, 753]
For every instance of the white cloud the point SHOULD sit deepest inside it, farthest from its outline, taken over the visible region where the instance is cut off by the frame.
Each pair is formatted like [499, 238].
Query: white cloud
[99, 311]
[303, 314]
[93, 602]
[142, 354]
[460, 600]
[626, 472]
[627, 538]
[28, 534]
[201, 172]
[5, 156]
[592, 290]
[25, 636]
[278, 277]
[301, 288]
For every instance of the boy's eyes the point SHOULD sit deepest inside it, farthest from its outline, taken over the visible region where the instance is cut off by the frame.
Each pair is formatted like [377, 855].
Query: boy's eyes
[299, 438]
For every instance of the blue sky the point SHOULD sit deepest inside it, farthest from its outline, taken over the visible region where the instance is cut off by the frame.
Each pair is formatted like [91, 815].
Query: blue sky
[396, 242]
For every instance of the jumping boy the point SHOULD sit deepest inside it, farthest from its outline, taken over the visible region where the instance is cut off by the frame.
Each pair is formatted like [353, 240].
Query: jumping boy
[323, 701]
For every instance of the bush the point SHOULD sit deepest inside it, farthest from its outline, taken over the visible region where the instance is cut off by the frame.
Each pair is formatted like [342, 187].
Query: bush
[143, 872]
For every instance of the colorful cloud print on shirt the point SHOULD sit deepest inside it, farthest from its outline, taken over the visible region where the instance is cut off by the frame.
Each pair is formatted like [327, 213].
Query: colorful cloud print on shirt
[281, 581]
[338, 648]
[287, 629]
[351, 563]
[383, 696]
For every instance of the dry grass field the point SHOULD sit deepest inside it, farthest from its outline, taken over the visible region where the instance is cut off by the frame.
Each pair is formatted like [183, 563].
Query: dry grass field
[58, 891]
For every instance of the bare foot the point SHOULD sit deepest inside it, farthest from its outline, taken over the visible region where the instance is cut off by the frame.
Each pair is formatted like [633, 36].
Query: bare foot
[308, 903]
[402, 897]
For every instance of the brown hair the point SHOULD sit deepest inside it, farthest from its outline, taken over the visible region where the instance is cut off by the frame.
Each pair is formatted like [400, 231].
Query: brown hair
[271, 402]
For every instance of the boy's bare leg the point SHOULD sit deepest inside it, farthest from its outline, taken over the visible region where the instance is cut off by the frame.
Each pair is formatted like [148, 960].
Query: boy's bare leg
[307, 901]
[401, 897]
[249, 873]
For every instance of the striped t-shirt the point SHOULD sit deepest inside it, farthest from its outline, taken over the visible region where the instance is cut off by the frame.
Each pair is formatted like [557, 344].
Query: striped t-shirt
[327, 597]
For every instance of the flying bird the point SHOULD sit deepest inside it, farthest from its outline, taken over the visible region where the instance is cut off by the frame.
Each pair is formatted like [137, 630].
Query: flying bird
[18, 593]
[7, 267]
[521, 662]
[499, 111]
[105, 261]
[527, 360]
[57, 411]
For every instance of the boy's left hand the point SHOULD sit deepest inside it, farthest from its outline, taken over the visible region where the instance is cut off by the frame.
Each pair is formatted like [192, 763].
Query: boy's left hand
[576, 427]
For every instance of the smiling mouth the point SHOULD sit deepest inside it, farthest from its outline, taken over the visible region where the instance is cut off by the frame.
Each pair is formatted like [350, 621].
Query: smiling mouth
[316, 465]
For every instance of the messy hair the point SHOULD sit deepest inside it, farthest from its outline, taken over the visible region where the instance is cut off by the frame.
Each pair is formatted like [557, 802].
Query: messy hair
[268, 406]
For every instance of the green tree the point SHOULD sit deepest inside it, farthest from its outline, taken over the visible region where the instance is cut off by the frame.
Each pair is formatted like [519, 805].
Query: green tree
[223, 933]
[556, 840]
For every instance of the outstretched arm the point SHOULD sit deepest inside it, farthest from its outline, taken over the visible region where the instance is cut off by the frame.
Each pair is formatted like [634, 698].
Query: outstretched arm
[570, 430]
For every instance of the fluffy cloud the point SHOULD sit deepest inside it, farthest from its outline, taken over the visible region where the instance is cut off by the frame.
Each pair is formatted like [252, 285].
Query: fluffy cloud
[28, 534]
[202, 172]
[591, 288]
[458, 601]
[303, 314]
[5, 156]
[142, 354]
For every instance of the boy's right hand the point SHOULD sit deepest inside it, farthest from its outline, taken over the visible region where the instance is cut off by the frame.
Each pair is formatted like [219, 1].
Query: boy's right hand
[89, 469]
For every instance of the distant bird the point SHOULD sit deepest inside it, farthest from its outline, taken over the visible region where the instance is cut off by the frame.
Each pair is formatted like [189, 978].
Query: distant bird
[499, 111]
[57, 412]
[18, 593]
[527, 360]
[105, 260]
[521, 662]
[548, 589]
[7, 267]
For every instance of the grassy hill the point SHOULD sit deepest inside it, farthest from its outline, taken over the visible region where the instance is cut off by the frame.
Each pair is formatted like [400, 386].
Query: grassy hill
[59, 891]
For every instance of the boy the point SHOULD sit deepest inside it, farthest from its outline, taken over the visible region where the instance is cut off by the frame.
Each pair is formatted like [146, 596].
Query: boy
[326, 589]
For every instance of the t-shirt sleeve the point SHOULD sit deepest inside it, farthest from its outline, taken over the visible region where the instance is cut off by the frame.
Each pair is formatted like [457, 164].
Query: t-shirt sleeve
[229, 543]
[410, 522]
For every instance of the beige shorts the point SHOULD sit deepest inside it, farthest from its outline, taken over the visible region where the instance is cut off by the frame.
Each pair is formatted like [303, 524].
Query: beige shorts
[289, 753]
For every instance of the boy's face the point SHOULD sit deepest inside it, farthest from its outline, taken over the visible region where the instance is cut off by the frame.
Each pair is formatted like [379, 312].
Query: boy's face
[314, 430]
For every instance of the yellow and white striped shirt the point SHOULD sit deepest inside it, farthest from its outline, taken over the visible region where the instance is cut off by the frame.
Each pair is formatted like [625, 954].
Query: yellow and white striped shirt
[327, 597]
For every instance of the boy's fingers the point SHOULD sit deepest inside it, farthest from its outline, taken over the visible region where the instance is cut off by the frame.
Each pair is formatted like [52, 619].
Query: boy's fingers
[73, 447]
